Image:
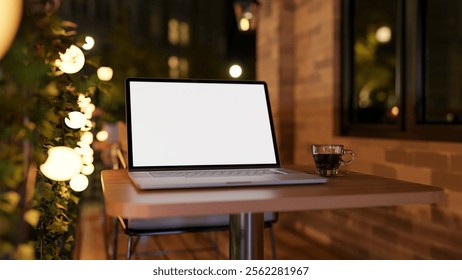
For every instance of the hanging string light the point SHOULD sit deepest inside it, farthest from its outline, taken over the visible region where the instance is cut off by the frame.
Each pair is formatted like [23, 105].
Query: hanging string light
[62, 163]
[10, 18]
[79, 182]
[72, 61]
[105, 73]
[75, 120]
[65, 163]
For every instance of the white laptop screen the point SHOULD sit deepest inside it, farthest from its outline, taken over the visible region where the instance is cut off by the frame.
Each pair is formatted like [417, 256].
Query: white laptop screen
[199, 124]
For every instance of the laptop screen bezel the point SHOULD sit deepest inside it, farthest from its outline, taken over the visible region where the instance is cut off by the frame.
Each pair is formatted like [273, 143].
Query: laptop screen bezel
[131, 166]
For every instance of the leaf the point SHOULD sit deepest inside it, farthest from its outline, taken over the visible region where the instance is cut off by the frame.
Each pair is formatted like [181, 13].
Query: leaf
[25, 251]
[93, 61]
[75, 199]
[50, 89]
[9, 201]
[58, 30]
[44, 190]
[32, 217]
[59, 206]
[68, 24]
[6, 249]
[58, 226]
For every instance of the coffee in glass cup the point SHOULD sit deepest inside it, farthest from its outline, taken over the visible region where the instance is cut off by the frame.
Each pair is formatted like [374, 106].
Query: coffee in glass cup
[328, 158]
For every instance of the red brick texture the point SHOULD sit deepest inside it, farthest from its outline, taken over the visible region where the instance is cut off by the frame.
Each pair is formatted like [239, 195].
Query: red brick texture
[298, 53]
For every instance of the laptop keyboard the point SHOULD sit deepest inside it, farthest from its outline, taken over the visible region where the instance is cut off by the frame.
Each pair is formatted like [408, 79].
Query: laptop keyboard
[214, 173]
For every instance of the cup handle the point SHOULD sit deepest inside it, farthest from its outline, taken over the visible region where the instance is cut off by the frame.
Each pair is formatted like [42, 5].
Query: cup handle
[352, 157]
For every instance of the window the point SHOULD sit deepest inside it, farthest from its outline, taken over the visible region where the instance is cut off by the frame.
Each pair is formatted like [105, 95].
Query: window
[443, 68]
[402, 69]
[178, 32]
[178, 67]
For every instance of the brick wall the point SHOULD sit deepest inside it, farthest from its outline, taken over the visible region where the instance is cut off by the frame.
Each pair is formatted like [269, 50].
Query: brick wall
[276, 64]
[298, 55]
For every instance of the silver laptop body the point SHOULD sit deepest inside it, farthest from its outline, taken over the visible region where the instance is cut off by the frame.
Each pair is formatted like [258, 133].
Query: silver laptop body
[185, 133]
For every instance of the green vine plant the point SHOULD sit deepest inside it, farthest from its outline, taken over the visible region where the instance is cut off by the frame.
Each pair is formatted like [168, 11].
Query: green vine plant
[38, 215]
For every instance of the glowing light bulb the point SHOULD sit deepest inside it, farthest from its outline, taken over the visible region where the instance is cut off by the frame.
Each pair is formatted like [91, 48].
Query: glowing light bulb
[105, 73]
[395, 111]
[83, 145]
[88, 169]
[244, 24]
[75, 120]
[88, 111]
[87, 126]
[83, 102]
[383, 34]
[87, 137]
[235, 71]
[87, 158]
[62, 163]
[102, 136]
[89, 43]
[79, 182]
[71, 61]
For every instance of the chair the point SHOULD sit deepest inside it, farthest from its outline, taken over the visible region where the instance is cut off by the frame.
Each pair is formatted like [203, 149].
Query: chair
[136, 228]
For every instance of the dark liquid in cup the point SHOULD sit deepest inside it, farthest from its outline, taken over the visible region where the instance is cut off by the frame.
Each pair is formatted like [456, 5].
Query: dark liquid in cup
[327, 161]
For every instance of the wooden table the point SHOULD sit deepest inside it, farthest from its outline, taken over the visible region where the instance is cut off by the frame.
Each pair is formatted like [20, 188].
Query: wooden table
[246, 204]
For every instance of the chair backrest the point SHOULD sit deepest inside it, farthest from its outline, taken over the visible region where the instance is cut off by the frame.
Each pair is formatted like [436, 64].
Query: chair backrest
[184, 223]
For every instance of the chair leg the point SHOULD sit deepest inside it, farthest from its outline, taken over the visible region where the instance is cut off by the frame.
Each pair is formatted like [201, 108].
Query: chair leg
[129, 247]
[135, 243]
[273, 243]
[115, 240]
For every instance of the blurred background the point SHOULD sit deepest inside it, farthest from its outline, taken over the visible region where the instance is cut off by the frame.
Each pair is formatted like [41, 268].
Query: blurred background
[165, 39]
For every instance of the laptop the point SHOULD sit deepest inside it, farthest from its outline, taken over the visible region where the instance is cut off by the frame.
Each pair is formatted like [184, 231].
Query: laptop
[184, 133]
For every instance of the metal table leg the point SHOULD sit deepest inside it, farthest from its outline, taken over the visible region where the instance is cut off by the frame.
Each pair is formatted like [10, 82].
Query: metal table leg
[246, 236]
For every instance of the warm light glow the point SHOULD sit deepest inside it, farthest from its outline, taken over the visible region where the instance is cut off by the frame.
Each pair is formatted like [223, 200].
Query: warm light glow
[102, 136]
[184, 67]
[83, 101]
[88, 111]
[87, 137]
[244, 24]
[383, 34]
[87, 127]
[173, 62]
[105, 73]
[62, 163]
[87, 158]
[85, 151]
[88, 169]
[235, 71]
[79, 182]
[184, 33]
[71, 61]
[173, 31]
[246, 15]
[89, 43]
[83, 144]
[10, 18]
[75, 120]
[395, 111]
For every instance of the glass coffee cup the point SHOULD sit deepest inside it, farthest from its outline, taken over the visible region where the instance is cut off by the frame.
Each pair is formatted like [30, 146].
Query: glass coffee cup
[328, 158]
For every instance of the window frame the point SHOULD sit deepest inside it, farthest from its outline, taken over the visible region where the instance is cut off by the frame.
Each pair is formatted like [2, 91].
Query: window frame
[410, 79]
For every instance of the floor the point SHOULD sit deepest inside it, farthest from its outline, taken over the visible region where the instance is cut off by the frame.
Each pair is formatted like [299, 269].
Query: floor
[290, 245]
